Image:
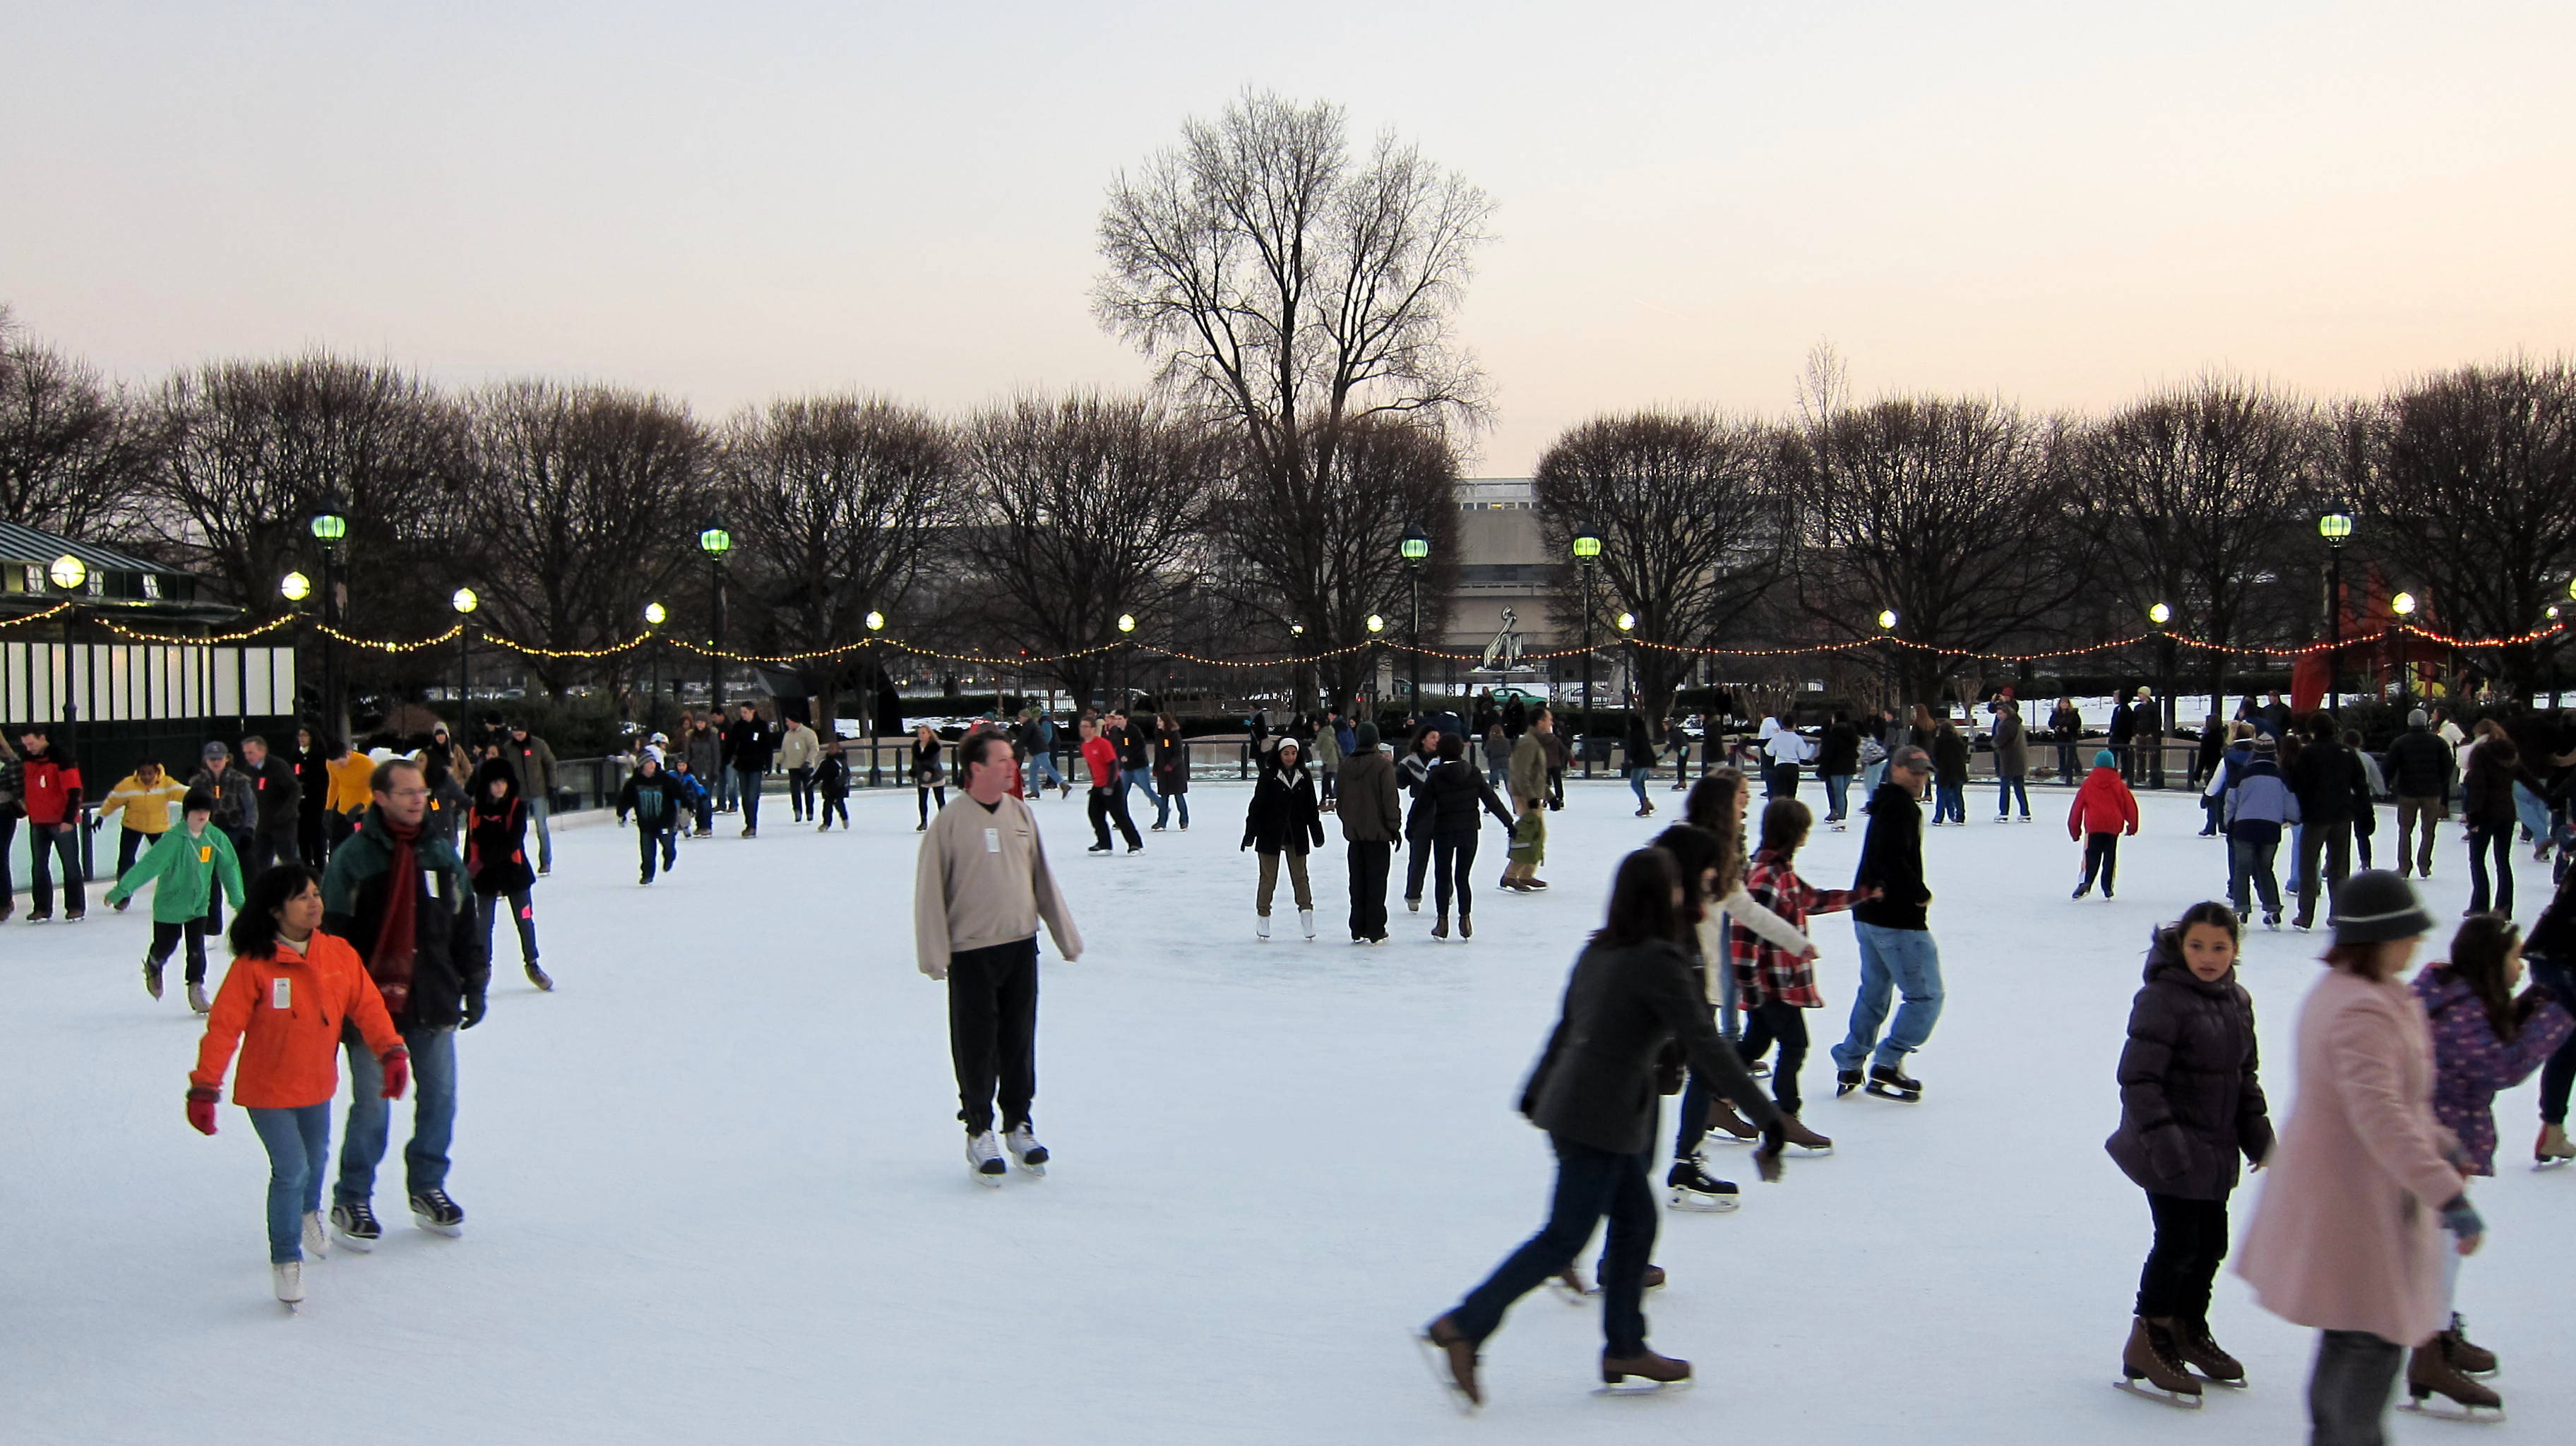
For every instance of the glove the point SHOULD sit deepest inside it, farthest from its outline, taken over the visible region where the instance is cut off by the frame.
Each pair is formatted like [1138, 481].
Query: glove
[2459, 1217]
[2169, 1153]
[201, 1108]
[473, 1013]
[397, 1066]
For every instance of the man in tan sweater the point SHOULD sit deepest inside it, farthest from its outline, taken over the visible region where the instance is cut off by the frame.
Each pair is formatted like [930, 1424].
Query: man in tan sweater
[980, 889]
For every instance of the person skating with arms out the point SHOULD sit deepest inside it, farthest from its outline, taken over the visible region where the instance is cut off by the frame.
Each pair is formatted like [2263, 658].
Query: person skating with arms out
[496, 858]
[1897, 954]
[192, 862]
[291, 994]
[2191, 1107]
[1777, 986]
[2104, 808]
[145, 797]
[980, 889]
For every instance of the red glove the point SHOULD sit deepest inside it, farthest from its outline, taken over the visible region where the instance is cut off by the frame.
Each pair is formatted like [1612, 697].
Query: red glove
[201, 1108]
[397, 1063]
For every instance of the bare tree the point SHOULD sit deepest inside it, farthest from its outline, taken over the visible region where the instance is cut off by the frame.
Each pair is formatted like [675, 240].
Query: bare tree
[584, 504]
[835, 499]
[2467, 480]
[1080, 510]
[72, 453]
[1303, 299]
[1693, 523]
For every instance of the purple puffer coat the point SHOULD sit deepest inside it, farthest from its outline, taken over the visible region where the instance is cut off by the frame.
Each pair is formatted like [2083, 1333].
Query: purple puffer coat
[2470, 1064]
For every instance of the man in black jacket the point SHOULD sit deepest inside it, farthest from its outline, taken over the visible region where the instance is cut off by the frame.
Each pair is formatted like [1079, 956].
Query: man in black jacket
[1897, 955]
[748, 742]
[2420, 769]
[398, 893]
[1837, 761]
[273, 784]
[2327, 778]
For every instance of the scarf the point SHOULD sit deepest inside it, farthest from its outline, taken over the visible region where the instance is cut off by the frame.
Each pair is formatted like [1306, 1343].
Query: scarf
[398, 937]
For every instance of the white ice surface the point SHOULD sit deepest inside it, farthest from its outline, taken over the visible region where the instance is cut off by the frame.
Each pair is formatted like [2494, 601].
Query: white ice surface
[716, 1192]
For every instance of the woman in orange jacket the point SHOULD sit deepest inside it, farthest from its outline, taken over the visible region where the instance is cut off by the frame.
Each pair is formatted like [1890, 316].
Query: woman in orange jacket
[2104, 809]
[284, 1002]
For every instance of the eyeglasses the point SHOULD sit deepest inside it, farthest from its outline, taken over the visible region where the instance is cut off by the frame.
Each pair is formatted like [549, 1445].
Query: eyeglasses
[409, 793]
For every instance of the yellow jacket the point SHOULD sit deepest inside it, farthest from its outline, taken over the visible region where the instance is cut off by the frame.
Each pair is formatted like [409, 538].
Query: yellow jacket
[147, 806]
[350, 778]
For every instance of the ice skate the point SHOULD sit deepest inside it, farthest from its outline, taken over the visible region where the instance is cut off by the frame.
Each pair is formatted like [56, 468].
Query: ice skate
[1692, 1188]
[2150, 1356]
[1306, 921]
[2467, 1359]
[2272, 921]
[151, 976]
[1759, 1069]
[286, 1277]
[1569, 1287]
[1799, 1135]
[1261, 926]
[1452, 1359]
[540, 978]
[356, 1225]
[1413, 905]
[432, 1211]
[2428, 1375]
[197, 997]
[317, 1241]
[1658, 1373]
[1845, 1081]
[1466, 927]
[1733, 1127]
[2552, 1150]
[1023, 1144]
[1440, 926]
[2192, 1342]
[1889, 1082]
[984, 1157]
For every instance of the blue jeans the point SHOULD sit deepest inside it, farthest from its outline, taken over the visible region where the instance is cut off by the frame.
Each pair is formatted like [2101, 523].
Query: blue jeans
[540, 810]
[1871, 776]
[1637, 776]
[1041, 765]
[1950, 801]
[47, 842]
[1135, 778]
[2533, 810]
[299, 1145]
[2558, 1075]
[1590, 1183]
[1837, 789]
[1904, 961]
[433, 1120]
[2007, 788]
[2249, 865]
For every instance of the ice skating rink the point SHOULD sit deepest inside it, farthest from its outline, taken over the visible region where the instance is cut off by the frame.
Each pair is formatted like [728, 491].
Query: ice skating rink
[716, 1193]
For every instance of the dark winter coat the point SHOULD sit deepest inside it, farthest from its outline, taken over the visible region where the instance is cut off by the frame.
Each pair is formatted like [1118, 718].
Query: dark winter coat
[2191, 1096]
[1131, 745]
[1949, 758]
[1410, 774]
[1638, 746]
[2012, 746]
[925, 763]
[496, 841]
[236, 803]
[1369, 809]
[2124, 723]
[1171, 762]
[1284, 817]
[2328, 780]
[1891, 861]
[1456, 791]
[1595, 1084]
[277, 793]
[533, 761]
[2066, 725]
[2489, 792]
[1838, 754]
[448, 965]
[748, 744]
[2471, 1064]
[2420, 764]
[656, 802]
[312, 781]
[703, 748]
[832, 775]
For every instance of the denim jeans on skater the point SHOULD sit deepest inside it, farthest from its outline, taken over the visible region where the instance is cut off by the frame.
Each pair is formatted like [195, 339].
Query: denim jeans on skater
[1041, 767]
[746, 794]
[1837, 796]
[2558, 1074]
[433, 1121]
[1590, 1183]
[1950, 801]
[2250, 862]
[1871, 776]
[541, 811]
[47, 843]
[1892, 961]
[2007, 788]
[1135, 778]
[2349, 1388]
[1637, 784]
[299, 1147]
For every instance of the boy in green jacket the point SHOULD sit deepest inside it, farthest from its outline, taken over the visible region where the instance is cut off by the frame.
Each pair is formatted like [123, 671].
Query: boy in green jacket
[188, 860]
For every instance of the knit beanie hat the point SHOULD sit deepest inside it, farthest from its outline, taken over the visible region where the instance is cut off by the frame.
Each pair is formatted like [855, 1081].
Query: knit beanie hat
[2263, 744]
[2104, 759]
[2376, 905]
[1365, 736]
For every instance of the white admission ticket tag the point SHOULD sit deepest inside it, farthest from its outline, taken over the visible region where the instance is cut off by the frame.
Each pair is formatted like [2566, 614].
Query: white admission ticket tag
[992, 840]
[281, 994]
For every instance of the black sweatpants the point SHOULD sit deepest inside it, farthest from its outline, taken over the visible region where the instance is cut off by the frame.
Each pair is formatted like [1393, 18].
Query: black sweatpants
[836, 803]
[1773, 1022]
[800, 793]
[1416, 866]
[1106, 805]
[166, 937]
[2101, 854]
[993, 1031]
[2191, 1242]
[1453, 857]
[1369, 864]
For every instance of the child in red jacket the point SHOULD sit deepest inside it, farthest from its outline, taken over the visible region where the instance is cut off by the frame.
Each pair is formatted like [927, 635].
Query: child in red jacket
[2104, 809]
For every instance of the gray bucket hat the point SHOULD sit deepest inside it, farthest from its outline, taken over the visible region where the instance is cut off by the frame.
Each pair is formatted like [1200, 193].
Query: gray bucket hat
[2376, 905]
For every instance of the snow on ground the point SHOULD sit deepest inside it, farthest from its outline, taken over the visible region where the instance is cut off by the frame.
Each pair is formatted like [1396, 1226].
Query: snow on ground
[716, 1193]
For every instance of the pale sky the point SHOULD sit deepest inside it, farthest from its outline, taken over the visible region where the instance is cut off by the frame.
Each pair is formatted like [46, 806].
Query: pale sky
[2059, 203]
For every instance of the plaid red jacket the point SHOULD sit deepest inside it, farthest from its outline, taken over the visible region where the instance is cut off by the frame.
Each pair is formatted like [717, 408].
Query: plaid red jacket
[1764, 971]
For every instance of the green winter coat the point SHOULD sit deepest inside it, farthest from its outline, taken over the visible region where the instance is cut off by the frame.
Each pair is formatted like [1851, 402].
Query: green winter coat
[187, 867]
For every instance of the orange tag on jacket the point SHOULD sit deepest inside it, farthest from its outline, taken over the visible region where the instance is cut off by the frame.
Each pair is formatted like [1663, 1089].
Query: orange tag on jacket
[205, 853]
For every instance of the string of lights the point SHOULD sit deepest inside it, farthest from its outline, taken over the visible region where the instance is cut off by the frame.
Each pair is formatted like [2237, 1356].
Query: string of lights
[57, 610]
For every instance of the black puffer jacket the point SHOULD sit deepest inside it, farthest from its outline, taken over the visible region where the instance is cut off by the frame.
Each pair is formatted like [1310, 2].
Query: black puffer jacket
[496, 839]
[1456, 791]
[1284, 817]
[2329, 782]
[2488, 794]
[2191, 1100]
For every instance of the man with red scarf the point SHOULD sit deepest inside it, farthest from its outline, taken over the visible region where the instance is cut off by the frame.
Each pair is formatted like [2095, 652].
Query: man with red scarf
[399, 894]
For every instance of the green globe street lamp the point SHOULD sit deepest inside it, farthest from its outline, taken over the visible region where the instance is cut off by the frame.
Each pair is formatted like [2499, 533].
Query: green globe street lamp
[1587, 555]
[2336, 528]
[329, 524]
[1415, 547]
[715, 541]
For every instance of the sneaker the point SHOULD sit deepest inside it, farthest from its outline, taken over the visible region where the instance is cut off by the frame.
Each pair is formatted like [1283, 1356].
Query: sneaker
[317, 1241]
[286, 1277]
[432, 1210]
[356, 1224]
[984, 1157]
[1023, 1144]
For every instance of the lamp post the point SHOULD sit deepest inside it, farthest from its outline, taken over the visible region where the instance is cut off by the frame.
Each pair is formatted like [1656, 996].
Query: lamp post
[465, 602]
[70, 577]
[715, 542]
[876, 624]
[1415, 548]
[1126, 656]
[1587, 554]
[1375, 625]
[330, 526]
[2403, 606]
[1296, 669]
[2160, 615]
[2335, 526]
[654, 616]
[1887, 656]
[295, 587]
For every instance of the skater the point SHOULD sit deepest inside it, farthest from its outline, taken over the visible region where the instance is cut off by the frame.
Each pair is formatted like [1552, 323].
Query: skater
[2485, 1039]
[1637, 760]
[2066, 730]
[1529, 785]
[2224, 770]
[291, 994]
[446, 770]
[1782, 753]
[1594, 1091]
[351, 772]
[701, 756]
[2489, 812]
[1420, 757]
[1897, 954]
[1328, 762]
[1949, 774]
[2551, 952]
[1172, 772]
[145, 797]
[2347, 1234]
[1282, 821]
[832, 787]
[236, 806]
[979, 891]
[2012, 761]
[2422, 766]
[798, 751]
[1456, 791]
[2327, 778]
[2104, 808]
[2191, 1105]
[2365, 799]
[190, 863]
[280, 804]
[496, 859]
[927, 776]
[49, 793]
[1135, 760]
[1107, 801]
[1040, 731]
[398, 893]
[1372, 826]
[534, 762]
[2258, 806]
[1837, 764]
[1776, 985]
[749, 741]
[658, 803]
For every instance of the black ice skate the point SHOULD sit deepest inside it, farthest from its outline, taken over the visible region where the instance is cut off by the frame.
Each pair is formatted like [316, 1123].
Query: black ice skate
[1845, 1081]
[1889, 1082]
[356, 1224]
[1695, 1189]
[431, 1210]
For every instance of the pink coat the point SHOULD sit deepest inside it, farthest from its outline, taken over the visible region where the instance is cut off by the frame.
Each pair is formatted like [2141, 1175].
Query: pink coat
[2348, 1233]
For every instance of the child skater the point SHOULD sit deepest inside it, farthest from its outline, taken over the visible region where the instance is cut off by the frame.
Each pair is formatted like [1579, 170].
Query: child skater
[832, 781]
[1776, 986]
[496, 859]
[2191, 1104]
[290, 992]
[190, 861]
[659, 803]
[2104, 809]
[2485, 1039]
